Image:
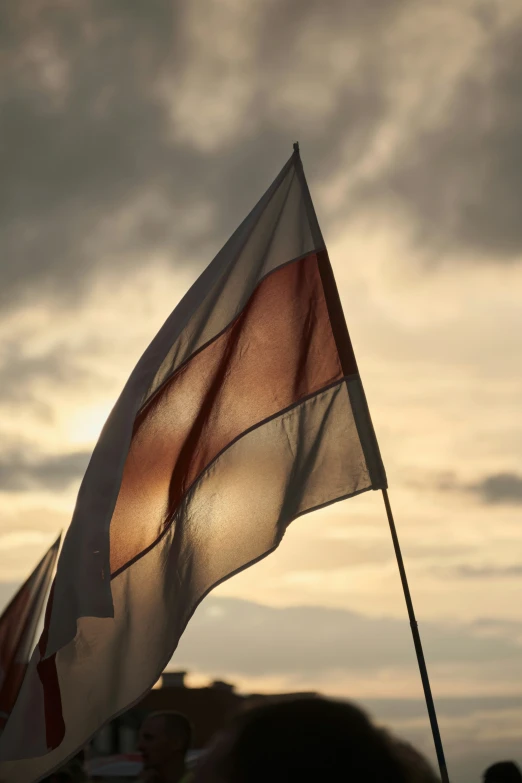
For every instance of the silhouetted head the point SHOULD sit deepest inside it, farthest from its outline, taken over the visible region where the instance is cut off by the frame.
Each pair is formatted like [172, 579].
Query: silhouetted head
[302, 739]
[503, 772]
[164, 740]
[417, 767]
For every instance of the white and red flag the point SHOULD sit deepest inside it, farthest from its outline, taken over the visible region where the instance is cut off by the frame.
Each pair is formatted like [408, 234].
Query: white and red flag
[245, 412]
[18, 625]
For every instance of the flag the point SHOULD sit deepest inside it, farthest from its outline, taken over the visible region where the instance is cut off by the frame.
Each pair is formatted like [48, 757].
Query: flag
[18, 626]
[245, 412]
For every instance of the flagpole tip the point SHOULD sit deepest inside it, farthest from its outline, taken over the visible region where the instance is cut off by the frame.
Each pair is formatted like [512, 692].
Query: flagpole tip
[296, 147]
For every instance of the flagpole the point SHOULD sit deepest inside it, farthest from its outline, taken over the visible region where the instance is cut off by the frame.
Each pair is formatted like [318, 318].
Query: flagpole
[418, 645]
[413, 623]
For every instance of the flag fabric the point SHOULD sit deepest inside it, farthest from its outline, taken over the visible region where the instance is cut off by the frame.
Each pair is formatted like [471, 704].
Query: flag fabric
[245, 412]
[18, 626]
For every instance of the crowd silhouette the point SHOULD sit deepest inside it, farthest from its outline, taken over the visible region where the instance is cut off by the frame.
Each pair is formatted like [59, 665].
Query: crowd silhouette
[297, 740]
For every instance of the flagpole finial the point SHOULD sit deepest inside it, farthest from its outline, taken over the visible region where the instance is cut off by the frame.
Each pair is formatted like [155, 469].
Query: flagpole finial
[296, 147]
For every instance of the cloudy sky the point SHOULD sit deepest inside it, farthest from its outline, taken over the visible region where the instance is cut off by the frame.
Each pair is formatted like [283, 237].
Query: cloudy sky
[135, 137]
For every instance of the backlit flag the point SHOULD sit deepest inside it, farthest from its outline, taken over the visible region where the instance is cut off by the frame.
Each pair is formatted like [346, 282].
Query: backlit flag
[245, 412]
[18, 626]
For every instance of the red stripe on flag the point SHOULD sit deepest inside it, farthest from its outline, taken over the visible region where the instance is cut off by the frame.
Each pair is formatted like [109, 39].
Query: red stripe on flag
[337, 319]
[54, 723]
[279, 349]
[12, 627]
[17, 629]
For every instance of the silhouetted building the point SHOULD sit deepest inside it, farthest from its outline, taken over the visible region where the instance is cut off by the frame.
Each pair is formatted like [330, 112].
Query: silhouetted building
[208, 709]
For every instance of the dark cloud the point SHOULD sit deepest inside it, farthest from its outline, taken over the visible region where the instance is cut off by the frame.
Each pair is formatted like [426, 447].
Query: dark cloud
[77, 150]
[465, 571]
[250, 639]
[19, 472]
[496, 489]
[461, 181]
[450, 707]
[95, 179]
[87, 135]
[499, 488]
[502, 625]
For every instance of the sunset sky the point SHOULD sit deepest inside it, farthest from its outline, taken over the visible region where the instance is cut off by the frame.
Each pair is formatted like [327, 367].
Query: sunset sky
[136, 136]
